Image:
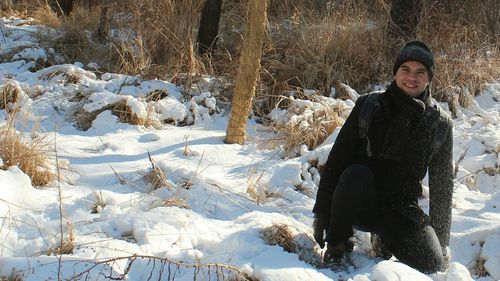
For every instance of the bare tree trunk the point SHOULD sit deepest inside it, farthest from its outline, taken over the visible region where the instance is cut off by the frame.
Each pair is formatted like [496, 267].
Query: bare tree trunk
[5, 4]
[63, 7]
[248, 71]
[209, 26]
[493, 20]
[405, 16]
[103, 19]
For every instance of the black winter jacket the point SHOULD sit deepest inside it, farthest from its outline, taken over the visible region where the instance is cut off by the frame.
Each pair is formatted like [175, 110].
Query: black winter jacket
[401, 137]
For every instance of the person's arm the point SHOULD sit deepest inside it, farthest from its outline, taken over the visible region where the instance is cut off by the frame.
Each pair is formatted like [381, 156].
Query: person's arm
[341, 155]
[441, 188]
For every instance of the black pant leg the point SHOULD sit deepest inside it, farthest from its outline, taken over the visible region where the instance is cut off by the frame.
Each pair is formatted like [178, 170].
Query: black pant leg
[355, 203]
[416, 246]
[352, 194]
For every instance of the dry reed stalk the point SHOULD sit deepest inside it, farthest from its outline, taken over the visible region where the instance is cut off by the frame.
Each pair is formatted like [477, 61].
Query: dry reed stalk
[255, 189]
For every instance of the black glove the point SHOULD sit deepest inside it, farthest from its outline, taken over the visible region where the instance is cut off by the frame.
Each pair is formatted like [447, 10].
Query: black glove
[320, 225]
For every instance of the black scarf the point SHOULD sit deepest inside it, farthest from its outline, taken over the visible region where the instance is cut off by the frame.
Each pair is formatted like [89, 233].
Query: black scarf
[406, 111]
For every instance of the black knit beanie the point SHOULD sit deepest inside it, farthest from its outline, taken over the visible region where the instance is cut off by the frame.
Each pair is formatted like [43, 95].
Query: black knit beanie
[416, 51]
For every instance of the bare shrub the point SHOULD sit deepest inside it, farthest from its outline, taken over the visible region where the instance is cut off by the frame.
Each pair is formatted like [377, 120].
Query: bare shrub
[199, 271]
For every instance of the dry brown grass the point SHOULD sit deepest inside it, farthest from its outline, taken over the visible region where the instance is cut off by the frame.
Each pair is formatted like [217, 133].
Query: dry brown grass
[255, 189]
[292, 241]
[466, 59]
[176, 202]
[312, 55]
[479, 269]
[304, 129]
[98, 204]
[10, 93]
[161, 37]
[83, 119]
[14, 276]
[67, 245]
[280, 234]
[155, 177]
[28, 154]
[308, 46]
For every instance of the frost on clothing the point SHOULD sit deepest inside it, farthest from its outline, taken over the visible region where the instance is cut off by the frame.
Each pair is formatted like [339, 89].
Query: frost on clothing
[401, 136]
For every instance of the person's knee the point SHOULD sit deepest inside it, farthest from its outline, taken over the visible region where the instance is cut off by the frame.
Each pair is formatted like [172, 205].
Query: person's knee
[419, 249]
[356, 175]
[432, 263]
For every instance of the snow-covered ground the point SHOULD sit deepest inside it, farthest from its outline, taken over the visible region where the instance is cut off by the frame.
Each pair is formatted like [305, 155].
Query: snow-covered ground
[208, 220]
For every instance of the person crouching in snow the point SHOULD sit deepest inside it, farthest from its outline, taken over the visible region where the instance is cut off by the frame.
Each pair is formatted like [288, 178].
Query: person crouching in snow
[372, 178]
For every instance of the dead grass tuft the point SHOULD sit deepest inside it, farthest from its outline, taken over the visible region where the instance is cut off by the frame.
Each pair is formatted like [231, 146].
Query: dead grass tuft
[156, 95]
[98, 204]
[155, 177]
[176, 202]
[125, 114]
[10, 93]
[292, 241]
[479, 269]
[281, 235]
[83, 119]
[28, 155]
[14, 276]
[68, 244]
[305, 123]
[257, 190]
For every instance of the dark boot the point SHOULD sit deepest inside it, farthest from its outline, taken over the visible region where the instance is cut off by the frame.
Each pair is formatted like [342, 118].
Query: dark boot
[379, 248]
[335, 256]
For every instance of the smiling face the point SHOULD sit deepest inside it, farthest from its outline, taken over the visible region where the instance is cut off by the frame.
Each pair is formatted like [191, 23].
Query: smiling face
[412, 77]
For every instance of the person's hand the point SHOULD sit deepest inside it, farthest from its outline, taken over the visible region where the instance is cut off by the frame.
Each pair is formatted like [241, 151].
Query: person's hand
[320, 225]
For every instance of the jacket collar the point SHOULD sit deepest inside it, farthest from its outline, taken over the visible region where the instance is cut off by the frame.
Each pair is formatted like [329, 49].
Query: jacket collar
[407, 104]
